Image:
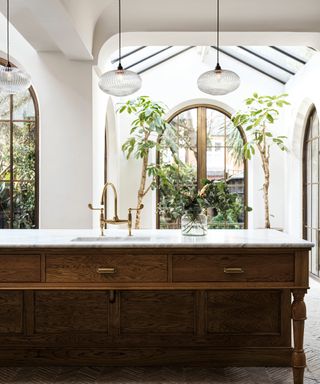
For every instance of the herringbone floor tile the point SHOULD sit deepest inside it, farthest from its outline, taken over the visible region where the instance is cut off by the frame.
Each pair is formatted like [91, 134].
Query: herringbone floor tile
[181, 375]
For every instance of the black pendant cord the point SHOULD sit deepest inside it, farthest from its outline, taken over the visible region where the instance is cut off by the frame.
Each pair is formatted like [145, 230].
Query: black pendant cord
[218, 35]
[120, 47]
[8, 35]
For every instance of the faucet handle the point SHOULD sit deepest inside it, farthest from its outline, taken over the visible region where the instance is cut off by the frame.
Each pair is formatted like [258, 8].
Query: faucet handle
[130, 217]
[137, 209]
[90, 206]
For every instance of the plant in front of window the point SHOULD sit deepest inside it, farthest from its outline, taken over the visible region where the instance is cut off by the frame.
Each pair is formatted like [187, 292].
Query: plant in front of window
[261, 113]
[175, 181]
[146, 131]
[227, 207]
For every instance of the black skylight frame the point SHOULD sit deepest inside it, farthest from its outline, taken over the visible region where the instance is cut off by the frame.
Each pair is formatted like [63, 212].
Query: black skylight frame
[248, 50]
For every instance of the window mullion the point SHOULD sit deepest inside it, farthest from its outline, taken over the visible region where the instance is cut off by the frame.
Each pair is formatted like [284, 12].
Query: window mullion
[202, 144]
[11, 163]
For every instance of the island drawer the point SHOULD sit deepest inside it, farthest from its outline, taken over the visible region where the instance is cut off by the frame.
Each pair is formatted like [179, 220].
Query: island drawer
[261, 267]
[106, 267]
[15, 268]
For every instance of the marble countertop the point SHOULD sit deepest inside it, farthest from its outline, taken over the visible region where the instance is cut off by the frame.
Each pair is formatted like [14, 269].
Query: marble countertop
[67, 238]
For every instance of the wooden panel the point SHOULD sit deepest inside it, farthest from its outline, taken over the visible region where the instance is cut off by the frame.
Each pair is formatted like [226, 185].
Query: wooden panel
[71, 311]
[19, 268]
[261, 267]
[128, 268]
[244, 312]
[158, 312]
[11, 312]
[140, 356]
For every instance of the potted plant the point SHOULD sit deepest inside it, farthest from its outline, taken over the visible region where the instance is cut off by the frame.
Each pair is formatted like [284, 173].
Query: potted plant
[214, 195]
[261, 113]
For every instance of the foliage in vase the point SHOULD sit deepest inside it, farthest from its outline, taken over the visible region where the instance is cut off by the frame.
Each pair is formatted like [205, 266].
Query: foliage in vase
[257, 120]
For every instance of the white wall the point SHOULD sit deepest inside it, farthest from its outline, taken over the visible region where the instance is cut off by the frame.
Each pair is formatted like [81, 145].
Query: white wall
[63, 89]
[304, 93]
[174, 83]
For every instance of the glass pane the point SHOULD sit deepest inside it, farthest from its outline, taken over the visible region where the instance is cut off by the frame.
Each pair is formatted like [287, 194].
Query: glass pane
[186, 126]
[225, 164]
[4, 107]
[315, 126]
[4, 151]
[24, 151]
[314, 253]
[179, 162]
[23, 106]
[314, 203]
[216, 129]
[309, 206]
[308, 162]
[4, 204]
[314, 161]
[23, 205]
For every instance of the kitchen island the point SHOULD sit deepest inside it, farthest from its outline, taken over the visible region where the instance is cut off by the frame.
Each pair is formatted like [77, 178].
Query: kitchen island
[70, 297]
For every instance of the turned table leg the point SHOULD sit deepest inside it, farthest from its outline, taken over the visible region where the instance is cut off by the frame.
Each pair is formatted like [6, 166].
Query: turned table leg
[298, 311]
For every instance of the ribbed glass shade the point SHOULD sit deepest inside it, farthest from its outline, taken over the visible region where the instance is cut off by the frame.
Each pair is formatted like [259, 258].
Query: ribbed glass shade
[13, 80]
[218, 82]
[120, 82]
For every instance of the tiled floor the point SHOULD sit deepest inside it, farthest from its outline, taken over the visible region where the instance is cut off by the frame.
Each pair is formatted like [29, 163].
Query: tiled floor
[183, 375]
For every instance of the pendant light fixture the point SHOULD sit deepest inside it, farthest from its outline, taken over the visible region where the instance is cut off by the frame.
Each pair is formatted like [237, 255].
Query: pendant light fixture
[219, 81]
[120, 82]
[12, 80]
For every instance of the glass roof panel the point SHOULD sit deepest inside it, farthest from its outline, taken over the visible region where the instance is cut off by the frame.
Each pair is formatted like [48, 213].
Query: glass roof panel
[278, 57]
[277, 62]
[259, 63]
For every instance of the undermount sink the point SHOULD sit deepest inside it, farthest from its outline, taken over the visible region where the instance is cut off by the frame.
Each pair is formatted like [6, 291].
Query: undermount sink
[112, 238]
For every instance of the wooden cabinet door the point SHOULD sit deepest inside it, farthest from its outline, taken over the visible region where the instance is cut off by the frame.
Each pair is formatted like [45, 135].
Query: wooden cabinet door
[11, 312]
[156, 313]
[71, 311]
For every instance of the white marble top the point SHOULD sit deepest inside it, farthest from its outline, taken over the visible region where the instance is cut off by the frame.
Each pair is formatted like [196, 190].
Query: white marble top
[219, 238]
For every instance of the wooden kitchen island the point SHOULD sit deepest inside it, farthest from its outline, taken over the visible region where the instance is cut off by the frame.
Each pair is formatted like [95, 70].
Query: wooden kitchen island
[158, 298]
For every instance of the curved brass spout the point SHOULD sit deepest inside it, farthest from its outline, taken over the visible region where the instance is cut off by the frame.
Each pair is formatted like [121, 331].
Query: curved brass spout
[103, 199]
[115, 220]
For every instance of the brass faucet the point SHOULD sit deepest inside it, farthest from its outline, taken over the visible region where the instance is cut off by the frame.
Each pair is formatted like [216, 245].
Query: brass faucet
[115, 220]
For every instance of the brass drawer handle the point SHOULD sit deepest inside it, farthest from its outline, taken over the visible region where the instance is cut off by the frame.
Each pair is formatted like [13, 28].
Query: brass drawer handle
[106, 271]
[233, 270]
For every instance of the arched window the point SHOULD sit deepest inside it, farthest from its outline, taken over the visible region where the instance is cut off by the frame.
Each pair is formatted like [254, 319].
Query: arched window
[311, 188]
[18, 160]
[209, 147]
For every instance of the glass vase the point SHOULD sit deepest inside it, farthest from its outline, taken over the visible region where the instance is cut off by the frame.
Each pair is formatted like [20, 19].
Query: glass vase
[194, 225]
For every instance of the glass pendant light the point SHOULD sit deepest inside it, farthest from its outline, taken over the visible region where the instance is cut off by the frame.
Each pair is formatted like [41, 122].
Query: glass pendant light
[219, 81]
[12, 80]
[120, 82]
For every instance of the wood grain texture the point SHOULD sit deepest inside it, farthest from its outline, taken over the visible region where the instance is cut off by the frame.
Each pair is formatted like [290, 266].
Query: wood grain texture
[19, 268]
[163, 312]
[128, 268]
[161, 306]
[11, 312]
[258, 267]
[72, 311]
[245, 312]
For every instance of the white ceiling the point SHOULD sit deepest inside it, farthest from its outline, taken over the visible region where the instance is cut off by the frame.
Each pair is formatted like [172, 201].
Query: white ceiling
[79, 27]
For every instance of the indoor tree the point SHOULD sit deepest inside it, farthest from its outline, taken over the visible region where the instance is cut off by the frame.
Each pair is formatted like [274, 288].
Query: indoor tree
[149, 131]
[258, 118]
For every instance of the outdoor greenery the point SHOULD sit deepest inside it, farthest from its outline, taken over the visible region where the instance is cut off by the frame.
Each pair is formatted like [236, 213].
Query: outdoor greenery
[149, 131]
[257, 119]
[17, 188]
[176, 181]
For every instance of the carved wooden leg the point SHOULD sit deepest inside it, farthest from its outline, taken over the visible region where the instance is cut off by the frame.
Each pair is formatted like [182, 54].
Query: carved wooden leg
[298, 316]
